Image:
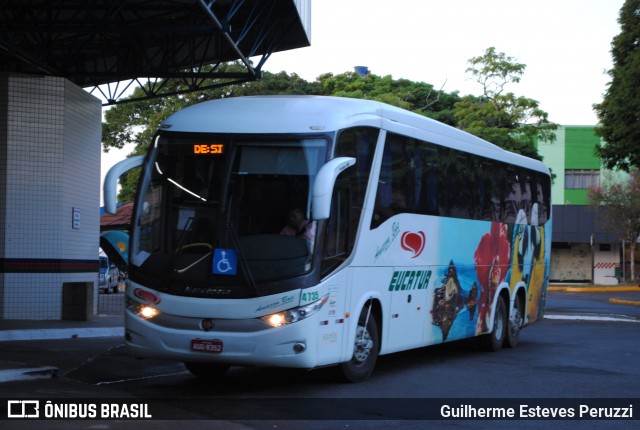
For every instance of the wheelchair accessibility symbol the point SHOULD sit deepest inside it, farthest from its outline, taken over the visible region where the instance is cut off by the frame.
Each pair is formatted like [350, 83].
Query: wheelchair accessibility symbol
[225, 261]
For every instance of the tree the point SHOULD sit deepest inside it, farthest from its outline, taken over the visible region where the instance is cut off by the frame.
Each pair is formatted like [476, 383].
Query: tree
[418, 97]
[137, 122]
[620, 214]
[511, 122]
[619, 112]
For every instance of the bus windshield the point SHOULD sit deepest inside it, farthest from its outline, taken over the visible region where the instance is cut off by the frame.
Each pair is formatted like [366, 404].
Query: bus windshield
[218, 216]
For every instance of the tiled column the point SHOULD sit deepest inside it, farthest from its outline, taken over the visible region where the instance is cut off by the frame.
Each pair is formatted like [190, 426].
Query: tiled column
[50, 133]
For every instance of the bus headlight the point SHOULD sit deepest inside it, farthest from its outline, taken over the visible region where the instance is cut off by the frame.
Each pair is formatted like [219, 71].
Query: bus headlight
[143, 311]
[147, 312]
[283, 318]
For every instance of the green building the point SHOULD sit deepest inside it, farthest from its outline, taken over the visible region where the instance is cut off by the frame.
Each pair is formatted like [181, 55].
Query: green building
[581, 251]
[573, 160]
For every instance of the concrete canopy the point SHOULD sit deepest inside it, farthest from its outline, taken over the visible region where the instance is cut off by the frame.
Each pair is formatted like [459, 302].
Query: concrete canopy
[97, 42]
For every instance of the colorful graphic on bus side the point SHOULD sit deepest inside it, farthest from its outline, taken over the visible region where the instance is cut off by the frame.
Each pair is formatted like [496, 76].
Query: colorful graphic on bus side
[507, 253]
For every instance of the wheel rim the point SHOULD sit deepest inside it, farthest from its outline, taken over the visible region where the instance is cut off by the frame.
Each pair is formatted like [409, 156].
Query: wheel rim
[516, 320]
[363, 345]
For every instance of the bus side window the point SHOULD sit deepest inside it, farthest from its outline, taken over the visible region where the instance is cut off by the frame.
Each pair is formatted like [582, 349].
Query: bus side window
[461, 185]
[525, 198]
[349, 193]
[399, 181]
[338, 230]
[484, 185]
[513, 197]
[447, 181]
[543, 195]
[500, 190]
[358, 142]
[428, 203]
[424, 178]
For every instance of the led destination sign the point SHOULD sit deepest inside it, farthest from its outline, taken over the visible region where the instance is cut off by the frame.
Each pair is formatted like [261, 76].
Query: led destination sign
[212, 148]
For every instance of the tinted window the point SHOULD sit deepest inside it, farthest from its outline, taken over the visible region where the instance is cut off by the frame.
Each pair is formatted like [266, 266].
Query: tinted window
[349, 194]
[424, 178]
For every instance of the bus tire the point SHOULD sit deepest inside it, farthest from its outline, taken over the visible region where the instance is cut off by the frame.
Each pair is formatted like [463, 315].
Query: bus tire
[365, 353]
[207, 370]
[493, 341]
[516, 319]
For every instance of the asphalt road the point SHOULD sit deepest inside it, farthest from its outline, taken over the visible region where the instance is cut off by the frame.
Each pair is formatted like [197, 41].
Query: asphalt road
[556, 360]
[583, 303]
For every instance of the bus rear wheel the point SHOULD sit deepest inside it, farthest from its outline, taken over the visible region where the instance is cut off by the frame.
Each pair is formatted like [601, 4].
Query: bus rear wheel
[207, 370]
[493, 341]
[516, 319]
[366, 348]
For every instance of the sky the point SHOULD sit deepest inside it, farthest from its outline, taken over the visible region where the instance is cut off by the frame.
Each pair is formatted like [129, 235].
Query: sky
[565, 45]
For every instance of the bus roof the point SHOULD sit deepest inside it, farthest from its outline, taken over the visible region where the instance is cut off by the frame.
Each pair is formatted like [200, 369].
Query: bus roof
[314, 114]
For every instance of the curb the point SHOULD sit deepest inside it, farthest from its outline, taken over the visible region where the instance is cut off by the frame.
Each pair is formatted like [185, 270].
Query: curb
[11, 371]
[62, 333]
[20, 372]
[598, 289]
[625, 302]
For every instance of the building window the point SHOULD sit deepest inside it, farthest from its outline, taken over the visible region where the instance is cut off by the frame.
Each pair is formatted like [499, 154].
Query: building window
[581, 179]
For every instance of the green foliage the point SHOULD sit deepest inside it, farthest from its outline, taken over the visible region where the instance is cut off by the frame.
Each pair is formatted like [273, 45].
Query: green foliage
[418, 97]
[137, 122]
[511, 122]
[494, 70]
[619, 110]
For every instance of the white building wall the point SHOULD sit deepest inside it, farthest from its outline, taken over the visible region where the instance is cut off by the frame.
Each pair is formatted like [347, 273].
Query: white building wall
[52, 150]
[571, 264]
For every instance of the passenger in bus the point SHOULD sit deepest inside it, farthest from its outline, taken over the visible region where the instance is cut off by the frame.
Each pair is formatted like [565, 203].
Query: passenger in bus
[297, 225]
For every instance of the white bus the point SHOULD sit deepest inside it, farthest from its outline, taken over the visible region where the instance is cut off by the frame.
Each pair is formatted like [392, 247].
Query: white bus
[302, 231]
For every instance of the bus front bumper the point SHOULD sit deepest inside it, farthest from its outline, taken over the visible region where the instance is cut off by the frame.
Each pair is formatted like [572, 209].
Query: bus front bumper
[292, 345]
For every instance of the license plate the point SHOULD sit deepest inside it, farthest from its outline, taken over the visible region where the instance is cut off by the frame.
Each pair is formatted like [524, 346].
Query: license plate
[203, 345]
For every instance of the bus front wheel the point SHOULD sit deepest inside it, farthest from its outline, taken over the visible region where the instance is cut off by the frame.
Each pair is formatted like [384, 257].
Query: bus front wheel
[365, 353]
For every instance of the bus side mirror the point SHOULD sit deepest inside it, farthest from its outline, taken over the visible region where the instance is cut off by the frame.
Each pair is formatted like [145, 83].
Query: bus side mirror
[111, 180]
[323, 186]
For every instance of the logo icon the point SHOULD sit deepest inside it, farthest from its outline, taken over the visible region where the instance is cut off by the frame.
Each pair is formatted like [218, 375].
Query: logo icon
[225, 262]
[413, 242]
[207, 324]
[23, 409]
